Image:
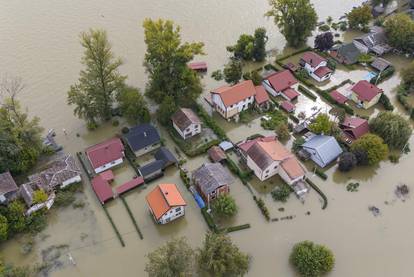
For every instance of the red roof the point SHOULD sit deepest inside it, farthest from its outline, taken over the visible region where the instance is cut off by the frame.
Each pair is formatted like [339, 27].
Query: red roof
[322, 71]
[235, 94]
[105, 152]
[281, 80]
[287, 106]
[291, 93]
[338, 97]
[198, 65]
[107, 175]
[102, 189]
[130, 185]
[355, 126]
[163, 198]
[261, 95]
[312, 59]
[365, 90]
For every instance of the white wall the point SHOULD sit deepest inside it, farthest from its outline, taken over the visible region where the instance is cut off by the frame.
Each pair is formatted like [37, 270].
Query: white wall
[191, 131]
[172, 214]
[109, 165]
[73, 180]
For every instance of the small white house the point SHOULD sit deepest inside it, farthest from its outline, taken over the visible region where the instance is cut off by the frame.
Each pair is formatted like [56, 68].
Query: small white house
[279, 82]
[186, 123]
[166, 203]
[316, 66]
[230, 101]
[106, 155]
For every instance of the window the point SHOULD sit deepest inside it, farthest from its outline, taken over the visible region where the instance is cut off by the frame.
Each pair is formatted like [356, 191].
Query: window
[267, 171]
[178, 209]
[266, 176]
[275, 167]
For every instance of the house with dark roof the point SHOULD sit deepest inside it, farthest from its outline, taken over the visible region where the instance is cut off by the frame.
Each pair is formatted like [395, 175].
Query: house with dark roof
[106, 155]
[282, 83]
[365, 94]
[380, 64]
[346, 53]
[354, 127]
[316, 66]
[155, 169]
[267, 157]
[143, 139]
[166, 203]
[165, 155]
[212, 180]
[27, 191]
[58, 174]
[8, 188]
[229, 101]
[186, 123]
[373, 42]
[322, 149]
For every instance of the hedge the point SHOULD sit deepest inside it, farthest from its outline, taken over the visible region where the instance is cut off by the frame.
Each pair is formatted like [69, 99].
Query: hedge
[317, 189]
[387, 73]
[209, 220]
[320, 173]
[385, 101]
[307, 92]
[280, 59]
[210, 122]
[236, 228]
[262, 206]
[185, 178]
[402, 96]
[243, 175]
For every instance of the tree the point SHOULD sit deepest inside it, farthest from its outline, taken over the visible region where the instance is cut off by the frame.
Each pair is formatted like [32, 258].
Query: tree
[259, 49]
[407, 76]
[297, 144]
[225, 206]
[296, 19]
[384, 3]
[322, 125]
[133, 105]
[166, 110]
[4, 228]
[282, 131]
[217, 75]
[347, 161]
[233, 72]
[20, 136]
[324, 41]
[39, 196]
[282, 192]
[166, 63]
[15, 217]
[98, 82]
[250, 47]
[399, 29]
[359, 17]
[175, 258]
[220, 257]
[392, 128]
[374, 147]
[312, 260]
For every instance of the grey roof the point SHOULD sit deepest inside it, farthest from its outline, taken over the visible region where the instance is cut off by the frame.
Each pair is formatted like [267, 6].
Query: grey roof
[259, 156]
[226, 145]
[151, 167]
[142, 136]
[375, 40]
[26, 192]
[184, 117]
[7, 183]
[211, 176]
[380, 64]
[350, 52]
[327, 147]
[165, 155]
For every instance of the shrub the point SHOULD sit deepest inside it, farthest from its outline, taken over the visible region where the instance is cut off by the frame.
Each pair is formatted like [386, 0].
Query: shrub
[394, 158]
[307, 92]
[125, 130]
[373, 146]
[115, 122]
[320, 173]
[385, 101]
[282, 193]
[224, 206]
[262, 206]
[324, 28]
[347, 161]
[217, 75]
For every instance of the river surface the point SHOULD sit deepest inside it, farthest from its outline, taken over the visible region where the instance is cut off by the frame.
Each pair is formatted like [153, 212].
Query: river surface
[40, 43]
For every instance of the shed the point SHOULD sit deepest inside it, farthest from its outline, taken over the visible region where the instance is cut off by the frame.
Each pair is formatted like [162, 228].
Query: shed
[165, 155]
[8, 187]
[198, 66]
[338, 97]
[288, 106]
[322, 149]
[380, 64]
[152, 170]
[102, 189]
[135, 182]
[226, 145]
[216, 154]
[108, 175]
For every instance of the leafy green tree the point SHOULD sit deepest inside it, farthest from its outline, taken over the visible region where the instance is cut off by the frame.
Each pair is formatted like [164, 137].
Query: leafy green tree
[15, 217]
[39, 196]
[297, 144]
[259, 49]
[322, 125]
[133, 105]
[312, 260]
[392, 128]
[407, 76]
[282, 192]
[98, 82]
[296, 19]
[166, 110]
[400, 31]
[4, 228]
[374, 147]
[244, 47]
[224, 206]
[220, 257]
[233, 72]
[166, 63]
[175, 258]
[359, 17]
[217, 75]
[282, 131]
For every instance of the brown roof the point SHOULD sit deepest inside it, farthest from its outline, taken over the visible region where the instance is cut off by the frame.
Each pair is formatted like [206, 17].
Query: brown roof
[163, 198]
[281, 80]
[380, 64]
[216, 154]
[235, 94]
[287, 106]
[312, 59]
[365, 90]
[105, 152]
[355, 126]
[7, 183]
[338, 97]
[184, 117]
[322, 71]
[293, 168]
[261, 95]
[211, 176]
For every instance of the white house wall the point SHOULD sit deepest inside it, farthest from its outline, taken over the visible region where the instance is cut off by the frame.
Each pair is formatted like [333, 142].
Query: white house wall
[172, 214]
[73, 180]
[109, 165]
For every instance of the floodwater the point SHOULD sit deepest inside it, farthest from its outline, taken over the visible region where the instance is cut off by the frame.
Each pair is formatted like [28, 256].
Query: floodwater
[39, 42]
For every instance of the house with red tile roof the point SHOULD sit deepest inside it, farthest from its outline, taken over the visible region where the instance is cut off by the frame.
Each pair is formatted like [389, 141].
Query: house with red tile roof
[354, 127]
[102, 189]
[166, 203]
[282, 83]
[338, 97]
[106, 155]
[288, 106]
[267, 157]
[229, 101]
[365, 94]
[316, 66]
[261, 98]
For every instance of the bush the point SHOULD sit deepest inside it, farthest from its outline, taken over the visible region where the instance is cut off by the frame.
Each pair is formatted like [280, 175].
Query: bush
[282, 193]
[282, 132]
[209, 220]
[324, 28]
[387, 73]
[217, 75]
[224, 206]
[125, 130]
[373, 146]
[312, 260]
[385, 101]
[347, 161]
[320, 173]
[394, 158]
[262, 206]
[115, 122]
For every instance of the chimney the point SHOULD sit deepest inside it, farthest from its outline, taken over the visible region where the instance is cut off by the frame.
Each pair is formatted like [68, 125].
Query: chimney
[145, 134]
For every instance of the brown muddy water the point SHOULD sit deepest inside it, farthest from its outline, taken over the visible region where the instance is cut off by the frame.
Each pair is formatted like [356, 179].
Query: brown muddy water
[39, 42]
